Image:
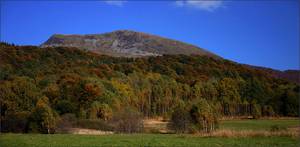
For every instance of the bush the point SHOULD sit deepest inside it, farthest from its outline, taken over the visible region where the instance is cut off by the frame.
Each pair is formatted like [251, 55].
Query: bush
[16, 122]
[128, 121]
[82, 114]
[66, 121]
[199, 117]
[153, 131]
[180, 120]
[94, 124]
[64, 106]
[256, 111]
[204, 116]
[193, 129]
[100, 111]
[268, 111]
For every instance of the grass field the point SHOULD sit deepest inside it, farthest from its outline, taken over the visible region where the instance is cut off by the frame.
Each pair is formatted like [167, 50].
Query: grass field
[164, 140]
[257, 124]
[247, 124]
[149, 140]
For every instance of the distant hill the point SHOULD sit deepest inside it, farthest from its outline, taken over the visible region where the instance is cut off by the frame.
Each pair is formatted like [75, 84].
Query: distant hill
[126, 43]
[289, 75]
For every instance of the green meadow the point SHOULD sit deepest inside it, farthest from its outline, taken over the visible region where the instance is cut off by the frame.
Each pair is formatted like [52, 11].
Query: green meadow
[263, 124]
[147, 140]
[162, 140]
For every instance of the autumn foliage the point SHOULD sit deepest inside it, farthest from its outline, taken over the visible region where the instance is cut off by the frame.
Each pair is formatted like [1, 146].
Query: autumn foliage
[39, 85]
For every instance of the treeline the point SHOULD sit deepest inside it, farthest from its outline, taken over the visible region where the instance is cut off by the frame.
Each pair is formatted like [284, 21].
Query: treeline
[38, 86]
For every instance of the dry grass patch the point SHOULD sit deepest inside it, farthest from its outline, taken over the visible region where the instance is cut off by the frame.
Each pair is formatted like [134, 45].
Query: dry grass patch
[155, 126]
[251, 133]
[88, 131]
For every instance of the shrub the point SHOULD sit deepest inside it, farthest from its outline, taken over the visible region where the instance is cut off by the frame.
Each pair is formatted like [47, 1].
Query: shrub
[64, 106]
[193, 129]
[199, 117]
[153, 131]
[128, 121]
[268, 111]
[203, 116]
[180, 120]
[16, 122]
[66, 121]
[94, 124]
[256, 111]
[100, 111]
[82, 114]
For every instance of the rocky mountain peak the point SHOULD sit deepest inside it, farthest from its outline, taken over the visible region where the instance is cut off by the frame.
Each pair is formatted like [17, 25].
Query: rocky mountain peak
[126, 43]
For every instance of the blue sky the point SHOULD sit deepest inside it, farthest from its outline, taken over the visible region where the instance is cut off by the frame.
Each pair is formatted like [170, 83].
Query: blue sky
[262, 33]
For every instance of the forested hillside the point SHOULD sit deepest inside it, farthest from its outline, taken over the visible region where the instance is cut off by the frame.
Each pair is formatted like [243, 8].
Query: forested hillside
[38, 85]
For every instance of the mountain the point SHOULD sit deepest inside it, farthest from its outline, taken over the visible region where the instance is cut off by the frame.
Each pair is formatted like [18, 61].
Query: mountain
[289, 75]
[127, 44]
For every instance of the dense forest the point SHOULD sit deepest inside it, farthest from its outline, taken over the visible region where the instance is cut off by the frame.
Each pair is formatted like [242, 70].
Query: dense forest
[38, 86]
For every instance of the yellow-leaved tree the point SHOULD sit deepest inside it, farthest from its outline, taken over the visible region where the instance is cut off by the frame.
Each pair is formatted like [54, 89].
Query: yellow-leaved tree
[43, 118]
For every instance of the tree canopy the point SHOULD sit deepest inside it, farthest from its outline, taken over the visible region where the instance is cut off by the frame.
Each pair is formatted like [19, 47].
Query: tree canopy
[94, 86]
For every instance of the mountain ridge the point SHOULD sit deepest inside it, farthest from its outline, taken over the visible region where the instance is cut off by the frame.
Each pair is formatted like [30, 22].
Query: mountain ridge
[126, 43]
[291, 75]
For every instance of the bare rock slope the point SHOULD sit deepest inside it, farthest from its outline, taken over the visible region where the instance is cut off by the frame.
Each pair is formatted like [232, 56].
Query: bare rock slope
[126, 43]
